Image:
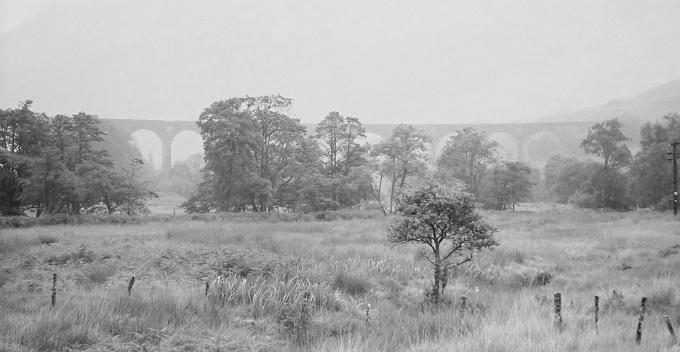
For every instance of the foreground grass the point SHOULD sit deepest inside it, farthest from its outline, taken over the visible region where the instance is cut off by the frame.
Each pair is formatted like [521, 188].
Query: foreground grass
[337, 286]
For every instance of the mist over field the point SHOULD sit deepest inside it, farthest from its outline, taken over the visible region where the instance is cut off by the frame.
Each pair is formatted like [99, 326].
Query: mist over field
[354, 176]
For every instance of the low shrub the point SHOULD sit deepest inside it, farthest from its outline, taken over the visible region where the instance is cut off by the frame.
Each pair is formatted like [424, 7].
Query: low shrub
[351, 285]
[98, 273]
[295, 320]
[10, 244]
[675, 249]
[4, 277]
[47, 239]
[80, 256]
[53, 334]
[120, 219]
[519, 278]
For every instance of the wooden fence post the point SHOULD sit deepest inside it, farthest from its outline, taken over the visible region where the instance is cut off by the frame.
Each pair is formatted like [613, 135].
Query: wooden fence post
[638, 332]
[674, 339]
[132, 282]
[54, 289]
[597, 310]
[368, 316]
[558, 310]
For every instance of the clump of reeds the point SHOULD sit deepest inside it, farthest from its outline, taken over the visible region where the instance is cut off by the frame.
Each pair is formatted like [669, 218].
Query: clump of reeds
[267, 295]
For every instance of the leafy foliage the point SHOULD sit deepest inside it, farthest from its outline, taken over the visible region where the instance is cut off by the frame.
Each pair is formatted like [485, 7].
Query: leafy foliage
[444, 220]
[401, 157]
[58, 165]
[466, 157]
[651, 175]
[606, 140]
[22, 134]
[509, 183]
[606, 185]
[251, 147]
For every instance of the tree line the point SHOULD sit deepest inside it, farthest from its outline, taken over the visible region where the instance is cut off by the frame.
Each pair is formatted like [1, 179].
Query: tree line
[618, 180]
[259, 158]
[67, 164]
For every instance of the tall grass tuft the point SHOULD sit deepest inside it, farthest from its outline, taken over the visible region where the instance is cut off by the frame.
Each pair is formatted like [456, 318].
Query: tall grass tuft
[98, 273]
[267, 295]
[9, 244]
[352, 285]
[47, 239]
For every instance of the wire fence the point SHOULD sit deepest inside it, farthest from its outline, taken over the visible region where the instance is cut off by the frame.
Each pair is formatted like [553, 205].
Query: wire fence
[55, 294]
[557, 317]
[557, 311]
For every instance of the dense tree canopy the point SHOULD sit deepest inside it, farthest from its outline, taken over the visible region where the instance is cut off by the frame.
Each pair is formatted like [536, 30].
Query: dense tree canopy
[509, 183]
[22, 135]
[258, 158]
[618, 181]
[58, 165]
[251, 149]
[466, 157]
[651, 175]
[337, 138]
[402, 156]
[607, 141]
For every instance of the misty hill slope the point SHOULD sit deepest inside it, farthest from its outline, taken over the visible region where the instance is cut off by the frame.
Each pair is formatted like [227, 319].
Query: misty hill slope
[649, 105]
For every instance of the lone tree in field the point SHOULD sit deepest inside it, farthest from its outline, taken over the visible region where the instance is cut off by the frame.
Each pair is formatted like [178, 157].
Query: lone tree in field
[445, 220]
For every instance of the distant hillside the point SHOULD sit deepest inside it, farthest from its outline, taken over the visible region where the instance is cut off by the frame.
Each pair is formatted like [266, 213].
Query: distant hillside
[649, 105]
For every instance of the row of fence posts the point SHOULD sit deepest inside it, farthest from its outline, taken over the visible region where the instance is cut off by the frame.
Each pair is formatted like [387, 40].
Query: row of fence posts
[641, 318]
[557, 312]
[54, 288]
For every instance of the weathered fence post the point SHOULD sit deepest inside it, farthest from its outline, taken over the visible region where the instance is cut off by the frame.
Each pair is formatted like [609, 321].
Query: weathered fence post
[558, 310]
[597, 310]
[638, 333]
[674, 339]
[463, 300]
[132, 282]
[54, 289]
[303, 325]
[368, 315]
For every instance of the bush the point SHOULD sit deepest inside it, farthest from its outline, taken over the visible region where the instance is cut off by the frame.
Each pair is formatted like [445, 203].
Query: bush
[82, 255]
[46, 239]
[99, 273]
[351, 284]
[4, 277]
[94, 219]
[519, 277]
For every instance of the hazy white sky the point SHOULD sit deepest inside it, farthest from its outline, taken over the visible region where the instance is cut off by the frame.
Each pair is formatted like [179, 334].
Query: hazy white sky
[381, 61]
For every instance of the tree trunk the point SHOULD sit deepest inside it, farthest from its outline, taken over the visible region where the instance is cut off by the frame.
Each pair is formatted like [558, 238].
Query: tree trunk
[445, 276]
[394, 184]
[437, 275]
[375, 194]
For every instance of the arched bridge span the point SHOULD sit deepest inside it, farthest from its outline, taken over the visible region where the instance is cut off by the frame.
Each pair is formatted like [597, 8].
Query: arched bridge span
[530, 142]
[165, 130]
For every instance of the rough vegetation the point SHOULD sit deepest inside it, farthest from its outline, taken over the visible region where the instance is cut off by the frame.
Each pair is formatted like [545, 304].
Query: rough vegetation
[337, 286]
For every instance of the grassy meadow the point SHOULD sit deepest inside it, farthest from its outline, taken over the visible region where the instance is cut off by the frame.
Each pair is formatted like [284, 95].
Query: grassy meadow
[338, 286]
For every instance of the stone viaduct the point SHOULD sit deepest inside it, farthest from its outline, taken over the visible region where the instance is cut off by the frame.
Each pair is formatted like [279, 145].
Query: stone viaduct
[529, 142]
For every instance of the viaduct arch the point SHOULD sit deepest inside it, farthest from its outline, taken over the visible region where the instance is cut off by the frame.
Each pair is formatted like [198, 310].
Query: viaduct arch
[529, 142]
[165, 130]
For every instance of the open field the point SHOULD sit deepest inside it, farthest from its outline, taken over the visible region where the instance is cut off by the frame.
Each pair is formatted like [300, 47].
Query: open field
[337, 286]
